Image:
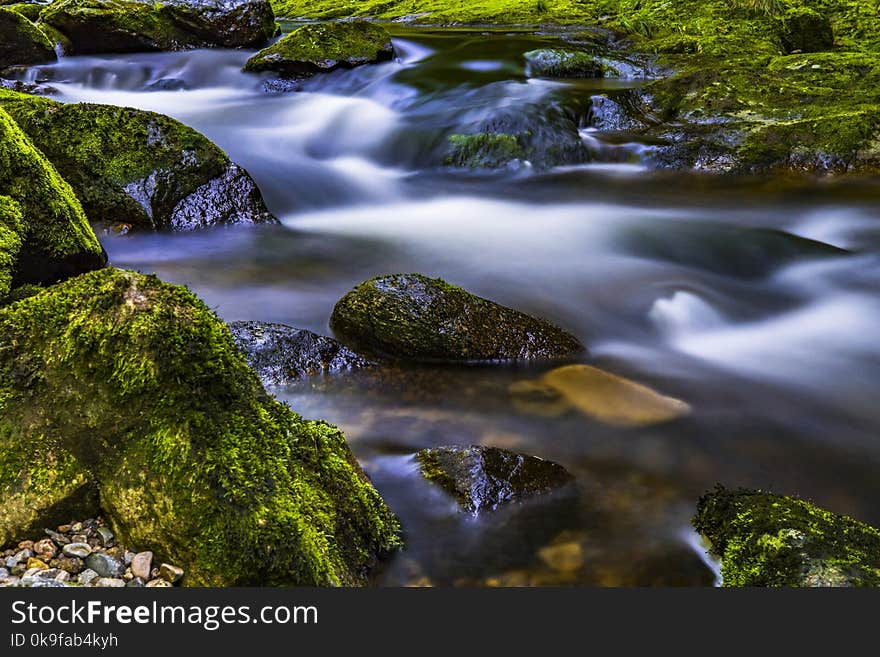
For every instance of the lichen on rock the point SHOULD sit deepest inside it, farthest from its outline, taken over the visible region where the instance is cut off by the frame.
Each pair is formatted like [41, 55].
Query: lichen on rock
[143, 386]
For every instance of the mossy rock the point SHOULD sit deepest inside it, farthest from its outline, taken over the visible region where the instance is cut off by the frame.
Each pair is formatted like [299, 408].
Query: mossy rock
[56, 240]
[282, 354]
[764, 539]
[314, 49]
[142, 385]
[29, 10]
[413, 317]
[10, 243]
[122, 26]
[806, 30]
[137, 167]
[484, 478]
[21, 43]
[554, 63]
[484, 150]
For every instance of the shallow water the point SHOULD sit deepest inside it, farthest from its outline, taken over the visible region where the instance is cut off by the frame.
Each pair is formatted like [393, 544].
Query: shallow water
[673, 280]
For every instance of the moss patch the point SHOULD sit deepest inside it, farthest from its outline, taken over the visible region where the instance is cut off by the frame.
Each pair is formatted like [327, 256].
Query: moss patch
[320, 48]
[56, 239]
[485, 150]
[143, 385]
[21, 42]
[552, 63]
[772, 540]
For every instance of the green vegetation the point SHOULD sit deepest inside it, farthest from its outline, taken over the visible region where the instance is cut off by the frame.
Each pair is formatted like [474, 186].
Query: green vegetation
[21, 42]
[29, 10]
[317, 48]
[10, 242]
[56, 239]
[484, 149]
[553, 63]
[770, 540]
[140, 383]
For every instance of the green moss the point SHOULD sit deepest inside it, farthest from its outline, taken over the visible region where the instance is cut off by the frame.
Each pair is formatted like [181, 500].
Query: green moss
[21, 42]
[484, 150]
[317, 48]
[413, 317]
[553, 63]
[29, 10]
[112, 156]
[771, 540]
[57, 241]
[10, 242]
[143, 385]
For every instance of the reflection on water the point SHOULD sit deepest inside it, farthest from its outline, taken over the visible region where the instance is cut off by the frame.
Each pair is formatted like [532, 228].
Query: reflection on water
[675, 281]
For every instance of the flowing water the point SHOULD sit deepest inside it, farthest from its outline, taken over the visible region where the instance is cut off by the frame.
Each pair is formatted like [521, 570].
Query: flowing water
[680, 281]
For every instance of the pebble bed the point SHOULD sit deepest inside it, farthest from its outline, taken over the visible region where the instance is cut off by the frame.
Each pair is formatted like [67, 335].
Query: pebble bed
[82, 554]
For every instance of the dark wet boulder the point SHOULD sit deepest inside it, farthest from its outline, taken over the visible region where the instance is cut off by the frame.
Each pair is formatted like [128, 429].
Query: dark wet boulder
[764, 539]
[484, 478]
[805, 30]
[314, 49]
[139, 168]
[554, 63]
[32, 88]
[413, 317]
[282, 354]
[21, 42]
[30, 10]
[122, 26]
[54, 238]
[728, 250]
[138, 385]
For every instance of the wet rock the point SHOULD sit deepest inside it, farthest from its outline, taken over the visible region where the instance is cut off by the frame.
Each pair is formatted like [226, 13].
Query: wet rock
[282, 354]
[39, 564]
[104, 565]
[553, 63]
[35, 89]
[142, 564]
[87, 577]
[606, 397]
[168, 84]
[45, 548]
[137, 583]
[764, 539]
[618, 114]
[484, 150]
[482, 478]
[79, 550]
[72, 565]
[30, 10]
[58, 537]
[276, 468]
[109, 582]
[805, 30]
[413, 317]
[158, 583]
[123, 26]
[21, 42]
[107, 538]
[139, 168]
[170, 573]
[322, 48]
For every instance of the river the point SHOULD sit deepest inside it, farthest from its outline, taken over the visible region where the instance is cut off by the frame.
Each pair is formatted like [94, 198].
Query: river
[701, 287]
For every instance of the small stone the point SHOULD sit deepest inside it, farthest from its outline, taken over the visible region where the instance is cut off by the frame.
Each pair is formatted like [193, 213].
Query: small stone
[87, 576]
[72, 565]
[79, 538]
[79, 550]
[110, 582]
[62, 576]
[170, 573]
[104, 564]
[154, 573]
[18, 569]
[26, 545]
[46, 549]
[129, 555]
[565, 557]
[158, 583]
[63, 529]
[33, 562]
[142, 564]
[116, 552]
[49, 573]
[106, 536]
[19, 557]
[76, 527]
[127, 575]
[59, 538]
[31, 572]
[4, 575]
[137, 582]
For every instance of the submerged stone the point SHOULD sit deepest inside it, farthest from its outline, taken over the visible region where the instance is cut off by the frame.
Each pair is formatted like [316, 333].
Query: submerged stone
[483, 478]
[764, 539]
[484, 150]
[139, 384]
[44, 234]
[124, 26]
[137, 167]
[314, 49]
[553, 63]
[282, 354]
[413, 317]
[21, 43]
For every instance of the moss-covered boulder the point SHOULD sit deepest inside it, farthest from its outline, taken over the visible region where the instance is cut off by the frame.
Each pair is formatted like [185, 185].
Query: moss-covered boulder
[30, 10]
[141, 384]
[484, 150]
[314, 49]
[554, 63]
[282, 354]
[484, 478]
[10, 242]
[137, 167]
[413, 317]
[21, 43]
[764, 539]
[121, 26]
[805, 30]
[56, 240]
